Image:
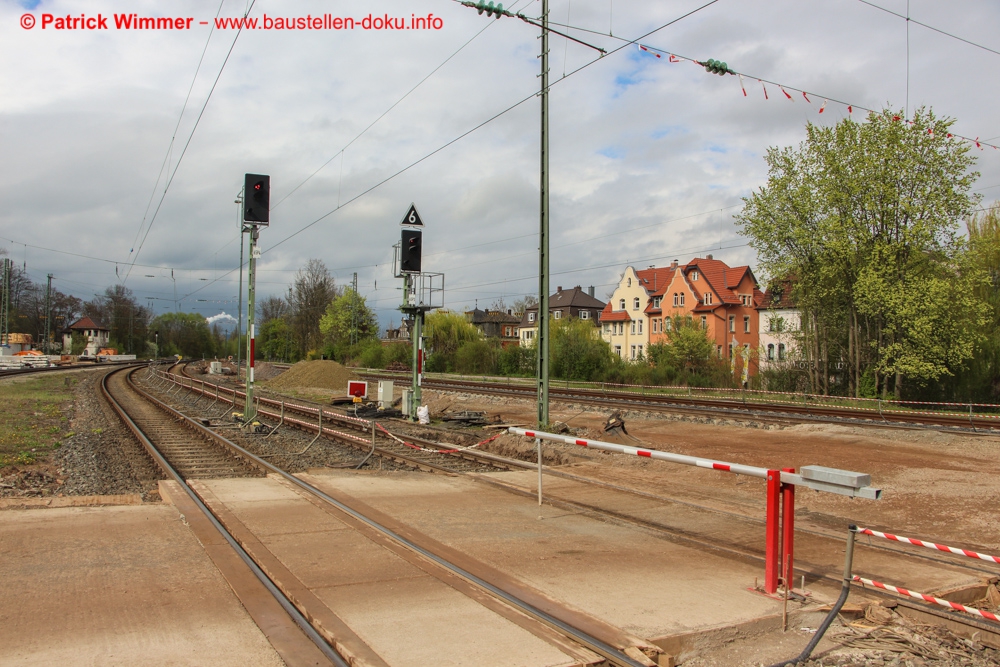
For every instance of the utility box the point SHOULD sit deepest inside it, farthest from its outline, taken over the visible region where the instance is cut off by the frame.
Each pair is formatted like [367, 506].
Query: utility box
[407, 405]
[215, 367]
[834, 476]
[385, 393]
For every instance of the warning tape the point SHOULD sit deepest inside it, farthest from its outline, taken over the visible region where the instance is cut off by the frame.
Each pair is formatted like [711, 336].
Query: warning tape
[436, 451]
[929, 545]
[929, 598]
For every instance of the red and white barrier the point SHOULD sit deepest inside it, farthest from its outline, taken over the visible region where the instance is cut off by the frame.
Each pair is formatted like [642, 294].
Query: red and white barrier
[928, 598]
[736, 468]
[929, 545]
[779, 516]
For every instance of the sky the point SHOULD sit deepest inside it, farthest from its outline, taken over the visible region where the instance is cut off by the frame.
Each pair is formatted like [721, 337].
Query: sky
[122, 151]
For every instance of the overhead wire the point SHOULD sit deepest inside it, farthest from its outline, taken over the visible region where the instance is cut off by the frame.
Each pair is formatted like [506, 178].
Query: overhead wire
[187, 144]
[910, 19]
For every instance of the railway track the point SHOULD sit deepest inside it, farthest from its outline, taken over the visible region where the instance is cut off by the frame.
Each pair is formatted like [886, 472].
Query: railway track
[817, 537]
[757, 410]
[163, 431]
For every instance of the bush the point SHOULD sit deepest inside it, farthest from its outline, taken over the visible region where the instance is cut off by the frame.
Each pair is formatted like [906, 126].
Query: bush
[478, 357]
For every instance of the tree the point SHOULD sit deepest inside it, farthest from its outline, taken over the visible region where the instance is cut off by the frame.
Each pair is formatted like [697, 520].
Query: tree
[525, 302]
[312, 290]
[578, 351]
[348, 320]
[276, 341]
[446, 332]
[118, 311]
[688, 349]
[864, 216]
[271, 308]
[186, 334]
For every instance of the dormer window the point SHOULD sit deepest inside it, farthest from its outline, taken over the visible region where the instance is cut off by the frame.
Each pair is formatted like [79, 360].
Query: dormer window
[694, 276]
[708, 298]
[531, 317]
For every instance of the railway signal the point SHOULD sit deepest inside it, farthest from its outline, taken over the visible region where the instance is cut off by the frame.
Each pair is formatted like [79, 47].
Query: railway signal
[410, 251]
[256, 198]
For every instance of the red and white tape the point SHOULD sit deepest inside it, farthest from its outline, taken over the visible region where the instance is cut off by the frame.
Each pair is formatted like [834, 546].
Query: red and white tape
[929, 545]
[928, 598]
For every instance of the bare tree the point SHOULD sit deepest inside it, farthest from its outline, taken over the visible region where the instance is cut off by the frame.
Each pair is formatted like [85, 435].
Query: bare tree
[308, 297]
[272, 308]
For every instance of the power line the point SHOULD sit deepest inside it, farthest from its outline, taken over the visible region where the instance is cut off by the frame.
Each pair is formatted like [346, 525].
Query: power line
[186, 144]
[173, 137]
[910, 19]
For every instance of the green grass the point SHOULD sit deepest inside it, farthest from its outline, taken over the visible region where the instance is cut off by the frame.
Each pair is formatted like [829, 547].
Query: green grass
[32, 422]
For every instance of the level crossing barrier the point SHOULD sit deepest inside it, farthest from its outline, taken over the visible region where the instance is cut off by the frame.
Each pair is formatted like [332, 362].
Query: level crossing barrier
[779, 527]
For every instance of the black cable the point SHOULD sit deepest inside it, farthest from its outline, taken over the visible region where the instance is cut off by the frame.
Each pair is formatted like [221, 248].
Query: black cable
[930, 27]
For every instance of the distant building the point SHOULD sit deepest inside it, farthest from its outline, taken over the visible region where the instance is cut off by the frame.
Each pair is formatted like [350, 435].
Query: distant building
[96, 336]
[563, 304]
[496, 324]
[400, 334]
[14, 343]
[624, 321]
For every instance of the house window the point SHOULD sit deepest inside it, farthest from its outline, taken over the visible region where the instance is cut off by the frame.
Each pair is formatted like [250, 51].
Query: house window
[557, 314]
[529, 334]
[669, 324]
[635, 303]
[640, 326]
[640, 352]
[776, 324]
[746, 324]
[621, 304]
[633, 353]
[781, 351]
[708, 298]
[694, 276]
[656, 301]
[746, 300]
[770, 351]
[584, 314]
[675, 300]
[655, 326]
[633, 327]
[629, 282]
[682, 298]
[718, 350]
[618, 350]
[732, 324]
[704, 322]
[531, 317]
[607, 328]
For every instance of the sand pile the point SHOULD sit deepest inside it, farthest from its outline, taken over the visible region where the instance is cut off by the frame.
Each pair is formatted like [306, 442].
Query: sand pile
[317, 374]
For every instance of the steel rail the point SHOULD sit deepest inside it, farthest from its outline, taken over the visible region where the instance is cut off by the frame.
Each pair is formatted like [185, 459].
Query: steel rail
[611, 653]
[285, 603]
[500, 461]
[754, 410]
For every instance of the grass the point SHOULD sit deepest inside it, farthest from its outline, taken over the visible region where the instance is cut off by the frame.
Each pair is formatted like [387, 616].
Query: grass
[33, 423]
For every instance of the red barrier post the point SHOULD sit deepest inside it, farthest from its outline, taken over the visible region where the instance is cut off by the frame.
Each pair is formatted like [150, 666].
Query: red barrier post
[772, 556]
[787, 530]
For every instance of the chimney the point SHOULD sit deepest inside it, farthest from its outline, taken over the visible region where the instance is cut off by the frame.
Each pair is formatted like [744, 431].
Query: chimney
[673, 264]
[577, 288]
[559, 289]
[708, 257]
[590, 290]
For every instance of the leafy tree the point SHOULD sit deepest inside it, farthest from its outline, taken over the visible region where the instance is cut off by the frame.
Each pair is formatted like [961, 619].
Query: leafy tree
[578, 352]
[348, 320]
[276, 342]
[478, 357]
[688, 350]
[864, 217]
[119, 311]
[446, 332]
[186, 334]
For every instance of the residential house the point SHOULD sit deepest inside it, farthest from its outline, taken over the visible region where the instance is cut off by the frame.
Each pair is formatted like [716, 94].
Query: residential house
[400, 334]
[563, 304]
[723, 300]
[625, 320]
[96, 336]
[780, 321]
[496, 324]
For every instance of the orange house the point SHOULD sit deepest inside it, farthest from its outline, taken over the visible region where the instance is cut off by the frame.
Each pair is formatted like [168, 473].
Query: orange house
[722, 299]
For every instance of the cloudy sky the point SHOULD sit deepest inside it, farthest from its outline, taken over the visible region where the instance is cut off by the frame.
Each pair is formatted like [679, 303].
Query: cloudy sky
[650, 158]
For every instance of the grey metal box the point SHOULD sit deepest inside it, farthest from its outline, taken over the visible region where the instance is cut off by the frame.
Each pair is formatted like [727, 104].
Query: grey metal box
[836, 476]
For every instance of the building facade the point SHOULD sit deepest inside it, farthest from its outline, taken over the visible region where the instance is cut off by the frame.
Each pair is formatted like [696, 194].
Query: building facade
[96, 336]
[563, 304]
[780, 321]
[503, 325]
[625, 320]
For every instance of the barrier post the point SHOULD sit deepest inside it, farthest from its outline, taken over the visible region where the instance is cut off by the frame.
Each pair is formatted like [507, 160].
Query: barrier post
[772, 534]
[787, 530]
